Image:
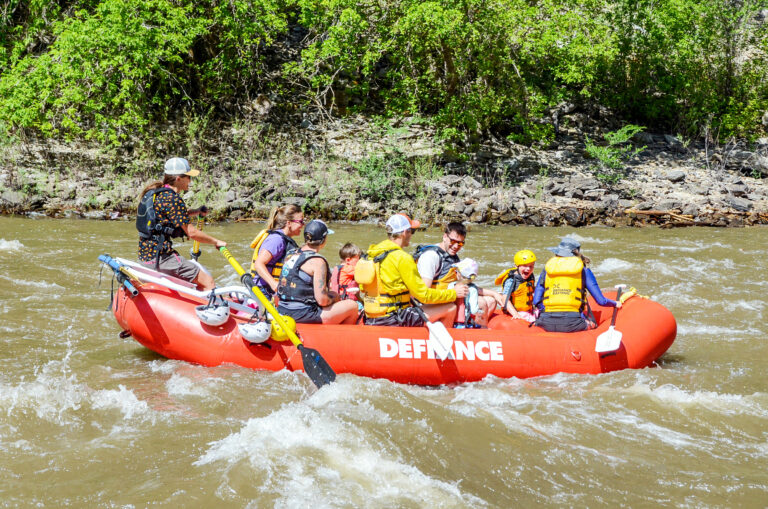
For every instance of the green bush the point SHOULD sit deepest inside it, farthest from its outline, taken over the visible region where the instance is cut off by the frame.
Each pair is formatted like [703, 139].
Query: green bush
[613, 157]
[383, 177]
[106, 69]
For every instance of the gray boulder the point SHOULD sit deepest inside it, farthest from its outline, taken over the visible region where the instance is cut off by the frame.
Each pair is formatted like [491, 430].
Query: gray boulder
[740, 204]
[584, 183]
[739, 190]
[676, 176]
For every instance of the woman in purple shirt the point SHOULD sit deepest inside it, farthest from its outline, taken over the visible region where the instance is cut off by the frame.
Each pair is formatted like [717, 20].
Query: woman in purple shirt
[284, 222]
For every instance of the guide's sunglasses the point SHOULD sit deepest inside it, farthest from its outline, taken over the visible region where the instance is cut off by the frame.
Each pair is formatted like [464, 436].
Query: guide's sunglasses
[455, 242]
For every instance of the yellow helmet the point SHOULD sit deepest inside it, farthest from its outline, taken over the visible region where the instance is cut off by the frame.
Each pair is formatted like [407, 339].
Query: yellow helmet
[278, 333]
[524, 257]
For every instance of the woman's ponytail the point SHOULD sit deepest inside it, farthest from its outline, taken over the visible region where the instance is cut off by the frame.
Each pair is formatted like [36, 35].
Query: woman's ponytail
[280, 216]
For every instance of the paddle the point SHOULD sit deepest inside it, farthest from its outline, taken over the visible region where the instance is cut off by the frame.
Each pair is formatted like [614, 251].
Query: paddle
[441, 339]
[315, 366]
[610, 340]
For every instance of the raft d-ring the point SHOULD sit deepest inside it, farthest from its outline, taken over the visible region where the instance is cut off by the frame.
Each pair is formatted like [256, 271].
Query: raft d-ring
[125, 334]
[576, 354]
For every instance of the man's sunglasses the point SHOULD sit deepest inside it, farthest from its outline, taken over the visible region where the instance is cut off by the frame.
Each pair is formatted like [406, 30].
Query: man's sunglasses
[455, 242]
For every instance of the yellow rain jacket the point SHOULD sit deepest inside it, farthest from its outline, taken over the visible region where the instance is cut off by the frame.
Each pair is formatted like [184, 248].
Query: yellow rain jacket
[398, 274]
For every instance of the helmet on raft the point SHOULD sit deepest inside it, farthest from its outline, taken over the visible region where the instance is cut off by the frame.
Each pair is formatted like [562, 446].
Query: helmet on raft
[213, 315]
[257, 332]
[524, 257]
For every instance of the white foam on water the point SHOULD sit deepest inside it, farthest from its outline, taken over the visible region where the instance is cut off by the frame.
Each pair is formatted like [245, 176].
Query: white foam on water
[751, 305]
[34, 284]
[674, 438]
[179, 385]
[722, 333]
[164, 366]
[588, 240]
[10, 245]
[612, 265]
[54, 395]
[703, 271]
[692, 247]
[724, 404]
[474, 400]
[311, 446]
[122, 399]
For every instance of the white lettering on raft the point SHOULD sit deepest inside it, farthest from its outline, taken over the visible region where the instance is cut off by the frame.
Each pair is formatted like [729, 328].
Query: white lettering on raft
[405, 348]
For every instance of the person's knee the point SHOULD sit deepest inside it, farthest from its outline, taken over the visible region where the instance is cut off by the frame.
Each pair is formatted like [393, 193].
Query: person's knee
[204, 280]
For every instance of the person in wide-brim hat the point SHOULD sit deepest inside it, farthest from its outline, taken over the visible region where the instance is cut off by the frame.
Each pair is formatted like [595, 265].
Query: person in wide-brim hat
[561, 290]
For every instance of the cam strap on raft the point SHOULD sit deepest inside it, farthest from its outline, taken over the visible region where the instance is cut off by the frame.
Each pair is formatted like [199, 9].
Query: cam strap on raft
[564, 288]
[256, 243]
[376, 301]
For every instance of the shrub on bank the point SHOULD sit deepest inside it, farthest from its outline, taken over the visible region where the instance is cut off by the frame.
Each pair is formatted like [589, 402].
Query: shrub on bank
[108, 69]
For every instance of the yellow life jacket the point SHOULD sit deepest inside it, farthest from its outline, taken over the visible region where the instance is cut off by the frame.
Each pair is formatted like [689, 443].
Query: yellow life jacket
[278, 264]
[564, 285]
[522, 297]
[505, 274]
[376, 302]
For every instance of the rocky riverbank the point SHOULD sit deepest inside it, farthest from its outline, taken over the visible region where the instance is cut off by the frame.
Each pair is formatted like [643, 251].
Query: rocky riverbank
[358, 170]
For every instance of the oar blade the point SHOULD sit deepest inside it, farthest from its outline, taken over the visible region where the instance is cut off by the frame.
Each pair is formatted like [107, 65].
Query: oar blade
[441, 339]
[316, 367]
[608, 341]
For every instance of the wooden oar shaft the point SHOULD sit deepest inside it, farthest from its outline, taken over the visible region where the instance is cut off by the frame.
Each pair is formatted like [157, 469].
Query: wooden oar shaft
[260, 296]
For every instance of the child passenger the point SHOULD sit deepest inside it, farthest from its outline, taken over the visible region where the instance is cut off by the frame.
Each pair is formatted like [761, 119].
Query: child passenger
[343, 275]
[518, 285]
[476, 308]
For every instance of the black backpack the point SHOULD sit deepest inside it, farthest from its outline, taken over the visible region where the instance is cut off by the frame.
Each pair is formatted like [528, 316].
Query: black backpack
[146, 218]
[148, 225]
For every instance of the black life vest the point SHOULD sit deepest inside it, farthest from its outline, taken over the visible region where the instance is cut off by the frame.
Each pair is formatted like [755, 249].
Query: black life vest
[294, 284]
[147, 223]
[446, 272]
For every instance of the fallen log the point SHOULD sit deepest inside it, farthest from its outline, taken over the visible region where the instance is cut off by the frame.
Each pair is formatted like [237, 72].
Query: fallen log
[674, 215]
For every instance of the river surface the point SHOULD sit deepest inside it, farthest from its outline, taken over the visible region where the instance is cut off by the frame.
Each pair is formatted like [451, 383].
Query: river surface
[91, 420]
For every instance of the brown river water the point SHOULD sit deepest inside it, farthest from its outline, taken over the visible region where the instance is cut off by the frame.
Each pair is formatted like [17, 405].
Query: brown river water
[91, 420]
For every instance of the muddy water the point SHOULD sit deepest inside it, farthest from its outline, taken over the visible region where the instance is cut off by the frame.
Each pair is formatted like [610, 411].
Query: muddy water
[89, 419]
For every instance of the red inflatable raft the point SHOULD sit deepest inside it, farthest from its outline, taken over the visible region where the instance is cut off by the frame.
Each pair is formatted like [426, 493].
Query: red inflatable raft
[164, 321]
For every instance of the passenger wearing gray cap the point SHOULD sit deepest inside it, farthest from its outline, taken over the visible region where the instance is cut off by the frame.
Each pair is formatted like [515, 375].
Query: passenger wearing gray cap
[303, 287]
[561, 291]
[162, 216]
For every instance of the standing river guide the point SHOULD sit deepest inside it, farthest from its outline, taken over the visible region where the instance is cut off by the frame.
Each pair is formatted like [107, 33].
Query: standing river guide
[162, 216]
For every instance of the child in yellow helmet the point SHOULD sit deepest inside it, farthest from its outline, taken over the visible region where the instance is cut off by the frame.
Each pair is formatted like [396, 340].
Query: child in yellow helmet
[518, 285]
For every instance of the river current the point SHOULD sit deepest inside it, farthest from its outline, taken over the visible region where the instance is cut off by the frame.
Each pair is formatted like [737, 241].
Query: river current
[88, 419]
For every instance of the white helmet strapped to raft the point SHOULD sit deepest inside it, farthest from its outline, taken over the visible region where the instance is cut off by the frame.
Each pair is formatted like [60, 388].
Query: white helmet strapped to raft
[257, 332]
[215, 313]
